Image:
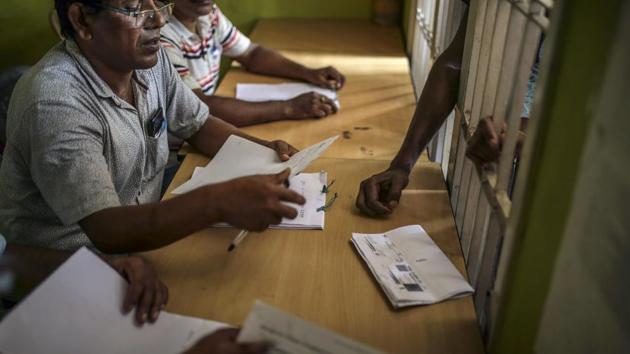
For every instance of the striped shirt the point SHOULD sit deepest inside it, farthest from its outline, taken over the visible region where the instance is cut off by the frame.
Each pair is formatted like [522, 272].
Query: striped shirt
[197, 56]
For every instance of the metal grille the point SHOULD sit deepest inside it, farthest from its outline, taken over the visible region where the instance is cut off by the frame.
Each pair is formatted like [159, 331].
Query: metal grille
[502, 41]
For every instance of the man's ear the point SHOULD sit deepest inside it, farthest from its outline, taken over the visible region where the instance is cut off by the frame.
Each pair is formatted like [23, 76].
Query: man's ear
[79, 21]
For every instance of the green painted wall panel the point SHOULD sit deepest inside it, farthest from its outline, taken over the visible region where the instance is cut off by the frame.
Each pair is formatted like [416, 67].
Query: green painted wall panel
[574, 82]
[244, 13]
[25, 34]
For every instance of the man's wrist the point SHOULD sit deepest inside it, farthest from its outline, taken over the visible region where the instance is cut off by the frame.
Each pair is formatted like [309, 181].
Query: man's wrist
[211, 212]
[403, 164]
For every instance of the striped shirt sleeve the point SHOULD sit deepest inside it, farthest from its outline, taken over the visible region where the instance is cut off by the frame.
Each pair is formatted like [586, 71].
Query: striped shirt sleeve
[234, 42]
[176, 56]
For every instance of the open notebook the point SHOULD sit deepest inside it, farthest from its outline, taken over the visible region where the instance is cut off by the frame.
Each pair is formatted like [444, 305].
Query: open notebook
[310, 215]
[410, 267]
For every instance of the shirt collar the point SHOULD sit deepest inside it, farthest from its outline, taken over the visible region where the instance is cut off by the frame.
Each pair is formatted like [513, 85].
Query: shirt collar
[204, 26]
[99, 86]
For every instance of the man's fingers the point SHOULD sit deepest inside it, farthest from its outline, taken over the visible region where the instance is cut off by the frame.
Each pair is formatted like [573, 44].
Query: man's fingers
[142, 309]
[361, 203]
[285, 211]
[372, 200]
[394, 192]
[288, 195]
[158, 302]
[134, 291]
[280, 178]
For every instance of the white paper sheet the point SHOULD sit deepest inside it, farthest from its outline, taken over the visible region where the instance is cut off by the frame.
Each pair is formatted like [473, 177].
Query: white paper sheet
[78, 310]
[410, 267]
[290, 334]
[280, 92]
[240, 157]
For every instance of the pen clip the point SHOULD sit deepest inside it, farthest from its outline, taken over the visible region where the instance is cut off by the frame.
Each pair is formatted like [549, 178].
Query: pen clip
[326, 188]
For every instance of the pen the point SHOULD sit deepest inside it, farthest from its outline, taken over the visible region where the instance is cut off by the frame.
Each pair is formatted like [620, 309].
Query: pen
[240, 237]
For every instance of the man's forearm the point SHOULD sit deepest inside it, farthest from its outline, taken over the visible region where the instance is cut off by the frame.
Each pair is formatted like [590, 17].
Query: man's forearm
[242, 113]
[145, 227]
[266, 61]
[437, 100]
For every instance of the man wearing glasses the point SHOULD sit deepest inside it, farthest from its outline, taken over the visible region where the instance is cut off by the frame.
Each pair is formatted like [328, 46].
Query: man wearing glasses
[87, 142]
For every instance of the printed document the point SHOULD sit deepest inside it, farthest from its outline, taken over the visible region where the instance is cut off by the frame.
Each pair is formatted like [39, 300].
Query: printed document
[78, 310]
[410, 267]
[280, 92]
[290, 334]
[240, 157]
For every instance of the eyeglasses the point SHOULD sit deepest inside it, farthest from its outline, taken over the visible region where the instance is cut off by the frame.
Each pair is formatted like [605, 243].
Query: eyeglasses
[139, 17]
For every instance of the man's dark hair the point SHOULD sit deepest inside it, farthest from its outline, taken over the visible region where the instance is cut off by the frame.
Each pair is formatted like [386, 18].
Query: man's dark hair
[62, 6]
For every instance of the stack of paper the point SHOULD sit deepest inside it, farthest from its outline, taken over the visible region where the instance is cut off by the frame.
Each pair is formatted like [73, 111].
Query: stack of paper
[78, 310]
[240, 157]
[280, 92]
[310, 215]
[410, 267]
[290, 334]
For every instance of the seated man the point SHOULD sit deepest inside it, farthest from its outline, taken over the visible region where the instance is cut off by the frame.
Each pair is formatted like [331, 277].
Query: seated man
[87, 146]
[196, 37]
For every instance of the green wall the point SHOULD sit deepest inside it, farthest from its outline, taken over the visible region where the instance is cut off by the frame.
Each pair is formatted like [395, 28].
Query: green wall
[26, 34]
[244, 13]
[573, 84]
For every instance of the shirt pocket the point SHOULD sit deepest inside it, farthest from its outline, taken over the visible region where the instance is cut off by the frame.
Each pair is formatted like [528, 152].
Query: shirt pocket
[157, 153]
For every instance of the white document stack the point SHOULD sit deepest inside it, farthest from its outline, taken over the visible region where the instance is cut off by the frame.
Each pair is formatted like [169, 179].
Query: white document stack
[240, 157]
[78, 310]
[290, 334]
[410, 267]
[280, 92]
[310, 216]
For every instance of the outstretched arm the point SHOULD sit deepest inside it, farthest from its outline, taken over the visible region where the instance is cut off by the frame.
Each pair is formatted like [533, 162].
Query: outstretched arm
[379, 194]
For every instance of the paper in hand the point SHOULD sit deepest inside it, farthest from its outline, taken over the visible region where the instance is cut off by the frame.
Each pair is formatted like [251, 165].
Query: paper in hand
[240, 157]
[78, 310]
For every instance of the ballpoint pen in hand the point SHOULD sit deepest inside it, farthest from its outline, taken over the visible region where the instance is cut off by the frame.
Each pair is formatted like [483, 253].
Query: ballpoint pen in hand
[240, 237]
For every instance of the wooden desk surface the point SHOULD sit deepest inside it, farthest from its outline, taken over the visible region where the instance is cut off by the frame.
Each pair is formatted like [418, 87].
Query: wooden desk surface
[377, 102]
[345, 36]
[317, 275]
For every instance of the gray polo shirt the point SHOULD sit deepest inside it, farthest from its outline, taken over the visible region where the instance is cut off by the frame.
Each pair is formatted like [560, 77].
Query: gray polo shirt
[75, 148]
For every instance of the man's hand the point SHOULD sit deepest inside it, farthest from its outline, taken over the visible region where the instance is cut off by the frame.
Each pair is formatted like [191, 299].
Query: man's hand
[310, 105]
[255, 202]
[327, 77]
[283, 149]
[485, 144]
[146, 292]
[223, 341]
[379, 195]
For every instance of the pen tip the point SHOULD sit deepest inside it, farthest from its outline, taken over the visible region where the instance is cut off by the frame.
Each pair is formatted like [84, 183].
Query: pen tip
[231, 248]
